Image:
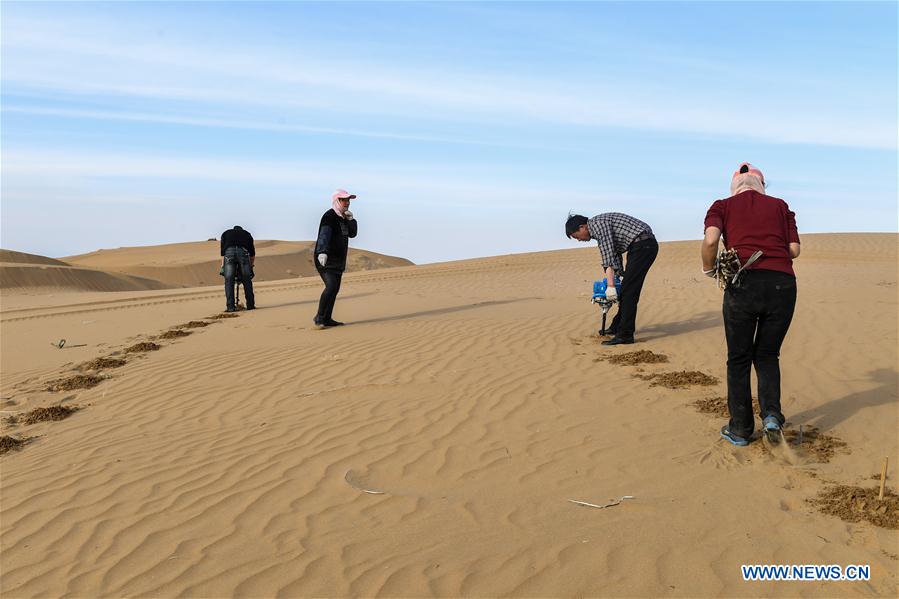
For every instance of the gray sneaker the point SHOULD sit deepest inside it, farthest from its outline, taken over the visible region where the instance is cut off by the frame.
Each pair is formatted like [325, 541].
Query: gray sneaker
[773, 431]
[732, 438]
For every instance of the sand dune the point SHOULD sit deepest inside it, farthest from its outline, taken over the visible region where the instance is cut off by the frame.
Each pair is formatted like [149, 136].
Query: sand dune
[11, 257]
[163, 267]
[30, 273]
[197, 263]
[431, 447]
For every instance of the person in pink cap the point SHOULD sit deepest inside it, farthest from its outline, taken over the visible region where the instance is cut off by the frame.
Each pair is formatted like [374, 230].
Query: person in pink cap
[335, 230]
[758, 306]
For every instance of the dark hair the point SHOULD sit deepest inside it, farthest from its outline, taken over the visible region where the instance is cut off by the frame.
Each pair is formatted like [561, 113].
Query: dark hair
[745, 169]
[574, 223]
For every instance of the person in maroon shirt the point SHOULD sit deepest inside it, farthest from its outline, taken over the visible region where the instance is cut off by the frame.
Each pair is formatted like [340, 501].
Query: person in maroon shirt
[759, 307]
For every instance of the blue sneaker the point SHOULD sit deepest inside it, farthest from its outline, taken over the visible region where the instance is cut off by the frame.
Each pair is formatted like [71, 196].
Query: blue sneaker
[736, 440]
[772, 429]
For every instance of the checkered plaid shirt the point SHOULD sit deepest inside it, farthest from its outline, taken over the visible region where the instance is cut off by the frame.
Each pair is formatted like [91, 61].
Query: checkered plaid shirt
[614, 232]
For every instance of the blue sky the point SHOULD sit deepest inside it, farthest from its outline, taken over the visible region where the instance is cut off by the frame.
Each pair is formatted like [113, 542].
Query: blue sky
[466, 129]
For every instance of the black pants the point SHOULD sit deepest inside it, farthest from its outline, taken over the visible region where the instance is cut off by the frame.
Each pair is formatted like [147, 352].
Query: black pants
[332, 280]
[757, 315]
[640, 257]
[237, 264]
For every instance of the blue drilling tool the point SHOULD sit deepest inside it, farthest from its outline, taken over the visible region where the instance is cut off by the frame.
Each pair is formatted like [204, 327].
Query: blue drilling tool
[599, 298]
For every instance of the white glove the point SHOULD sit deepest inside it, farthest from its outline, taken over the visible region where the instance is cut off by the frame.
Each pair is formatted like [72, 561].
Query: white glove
[323, 259]
[611, 293]
[347, 215]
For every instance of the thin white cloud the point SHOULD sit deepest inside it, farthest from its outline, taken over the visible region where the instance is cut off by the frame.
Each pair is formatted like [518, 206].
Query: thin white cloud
[431, 182]
[146, 117]
[43, 56]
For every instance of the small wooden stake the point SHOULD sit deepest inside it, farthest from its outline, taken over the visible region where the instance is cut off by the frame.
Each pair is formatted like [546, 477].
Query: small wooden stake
[800, 435]
[883, 477]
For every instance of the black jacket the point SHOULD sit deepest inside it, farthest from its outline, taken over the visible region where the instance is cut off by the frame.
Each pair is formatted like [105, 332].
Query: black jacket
[334, 235]
[237, 237]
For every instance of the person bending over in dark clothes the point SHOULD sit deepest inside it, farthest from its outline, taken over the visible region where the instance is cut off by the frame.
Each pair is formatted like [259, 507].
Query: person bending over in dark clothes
[238, 259]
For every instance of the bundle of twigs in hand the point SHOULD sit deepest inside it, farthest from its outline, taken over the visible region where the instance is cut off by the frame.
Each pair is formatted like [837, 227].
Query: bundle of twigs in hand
[726, 266]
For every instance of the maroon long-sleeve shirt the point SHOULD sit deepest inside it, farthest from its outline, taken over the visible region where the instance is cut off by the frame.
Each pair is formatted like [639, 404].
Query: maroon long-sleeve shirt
[751, 221]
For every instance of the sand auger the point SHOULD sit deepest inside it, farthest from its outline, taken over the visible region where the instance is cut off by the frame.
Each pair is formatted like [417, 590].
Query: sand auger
[599, 298]
[728, 268]
[237, 304]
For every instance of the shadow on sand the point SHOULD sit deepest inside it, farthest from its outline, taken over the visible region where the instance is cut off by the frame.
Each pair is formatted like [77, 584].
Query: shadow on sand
[448, 310]
[315, 301]
[828, 415]
[671, 329]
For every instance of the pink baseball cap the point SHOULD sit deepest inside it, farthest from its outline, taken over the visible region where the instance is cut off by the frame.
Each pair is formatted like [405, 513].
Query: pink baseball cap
[342, 194]
[745, 168]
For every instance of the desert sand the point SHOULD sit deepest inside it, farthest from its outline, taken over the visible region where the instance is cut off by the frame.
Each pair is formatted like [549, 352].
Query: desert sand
[433, 445]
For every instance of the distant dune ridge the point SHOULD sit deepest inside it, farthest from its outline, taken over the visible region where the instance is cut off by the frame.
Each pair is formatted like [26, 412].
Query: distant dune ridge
[20, 272]
[192, 264]
[9, 256]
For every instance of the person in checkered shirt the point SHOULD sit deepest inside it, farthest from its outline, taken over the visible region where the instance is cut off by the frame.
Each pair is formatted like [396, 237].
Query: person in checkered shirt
[618, 234]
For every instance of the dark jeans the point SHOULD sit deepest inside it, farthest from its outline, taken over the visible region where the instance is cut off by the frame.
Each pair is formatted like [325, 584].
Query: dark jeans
[237, 265]
[332, 280]
[640, 257]
[757, 315]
